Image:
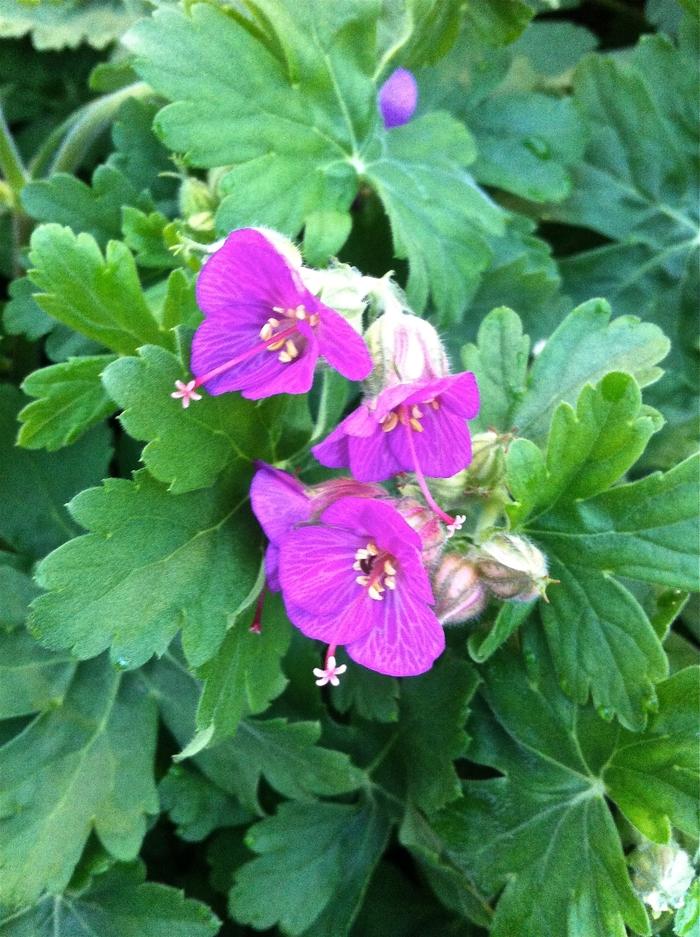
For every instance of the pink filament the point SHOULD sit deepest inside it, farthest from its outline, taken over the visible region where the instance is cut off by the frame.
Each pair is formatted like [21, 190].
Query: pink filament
[422, 484]
[256, 349]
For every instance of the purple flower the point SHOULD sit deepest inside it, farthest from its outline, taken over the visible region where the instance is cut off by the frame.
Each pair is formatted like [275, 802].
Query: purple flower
[413, 427]
[263, 330]
[398, 97]
[280, 502]
[357, 578]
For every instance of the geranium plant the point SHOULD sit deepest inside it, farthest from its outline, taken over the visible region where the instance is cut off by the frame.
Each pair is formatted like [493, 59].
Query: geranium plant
[348, 445]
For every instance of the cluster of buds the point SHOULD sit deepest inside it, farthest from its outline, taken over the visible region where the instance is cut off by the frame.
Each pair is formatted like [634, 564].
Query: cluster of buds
[661, 875]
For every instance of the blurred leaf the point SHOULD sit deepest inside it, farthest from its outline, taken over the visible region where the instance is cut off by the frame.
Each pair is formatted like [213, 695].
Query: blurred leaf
[57, 25]
[17, 590]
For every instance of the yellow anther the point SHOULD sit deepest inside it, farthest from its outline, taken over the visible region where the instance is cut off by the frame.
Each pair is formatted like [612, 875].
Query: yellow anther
[390, 422]
[372, 548]
[416, 425]
[266, 332]
[300, 312]
[313, 319]
[416, 412]
[435, 404]
[278, 309]
[273, 322]
[284, 357]
[389, 568]
[390, 582]
[291, 348]
[362, 580]
[275, 346]
[374, 592]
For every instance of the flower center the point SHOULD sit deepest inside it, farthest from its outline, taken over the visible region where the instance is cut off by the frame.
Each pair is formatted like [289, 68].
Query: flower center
[281, 335]
[405, 415]
[377, 568]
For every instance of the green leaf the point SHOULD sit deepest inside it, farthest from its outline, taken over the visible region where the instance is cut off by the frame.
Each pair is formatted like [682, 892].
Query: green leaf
[190, 448]
[54, 786]
[313, 867]
[543, 832]
[637, 184]
[71, 400]
[585, 348]
[243, 678]
[31, 679]
[284, 753]
[588, 449]
[416, 32]
[439, 218]
[118, 903]
[510, 617]
[36, 485]
[17, 590]
[370, 695]
[157, 562]
[310, 68]
[687, 918]
[22, 315]
[653, 776]
[499, 362]
[100, 297]
[600, 637]
[69, 23]
[434, 709]
[198, 806]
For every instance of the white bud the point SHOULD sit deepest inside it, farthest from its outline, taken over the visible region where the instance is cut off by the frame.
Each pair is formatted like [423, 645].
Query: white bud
[512, 567]
[404, 348]
[282, 245]
[661, 876]
[342, 288]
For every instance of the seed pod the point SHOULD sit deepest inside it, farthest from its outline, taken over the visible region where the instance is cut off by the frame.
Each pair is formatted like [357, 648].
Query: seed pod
[512, 567]
[459, 593]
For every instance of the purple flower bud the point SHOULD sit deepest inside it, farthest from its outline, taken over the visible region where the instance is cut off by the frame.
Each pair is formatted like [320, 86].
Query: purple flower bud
[398, 97]
[404, 348]
[460, 595]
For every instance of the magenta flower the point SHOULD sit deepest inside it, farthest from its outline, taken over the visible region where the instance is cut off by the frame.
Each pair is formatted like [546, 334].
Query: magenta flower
[280, 502]
[413, 427]
[398, 98]
[357, 578]
[263, 330]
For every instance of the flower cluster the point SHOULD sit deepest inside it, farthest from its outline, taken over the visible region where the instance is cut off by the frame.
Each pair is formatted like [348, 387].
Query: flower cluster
[357, 565]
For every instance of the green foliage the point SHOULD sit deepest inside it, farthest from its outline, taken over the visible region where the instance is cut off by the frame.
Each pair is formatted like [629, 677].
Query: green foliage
[150, 681]
[71, 399]
[312, 869]
[54, 788]
[545, 828]
[159, 563]
[117, 901]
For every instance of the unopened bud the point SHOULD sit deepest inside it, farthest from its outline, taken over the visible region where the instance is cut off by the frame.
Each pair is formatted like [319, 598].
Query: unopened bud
[341, 287]
[512, 567]
[404, 348]
[661, 876]
[195, 198]
[426, 524]
[488, 465]
[325, 493]
[459, 593]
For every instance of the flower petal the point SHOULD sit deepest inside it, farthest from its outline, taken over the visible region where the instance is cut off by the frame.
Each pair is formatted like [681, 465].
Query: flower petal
[295, 377]
[406, 642]
[245, 278]
[279, 501]
[442, 449]
[341, 346]
[350, 624]
[316, 568]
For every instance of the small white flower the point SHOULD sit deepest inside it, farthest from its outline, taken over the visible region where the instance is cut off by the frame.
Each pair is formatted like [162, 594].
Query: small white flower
[456, 525]
[330, 673]
[186, 393]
